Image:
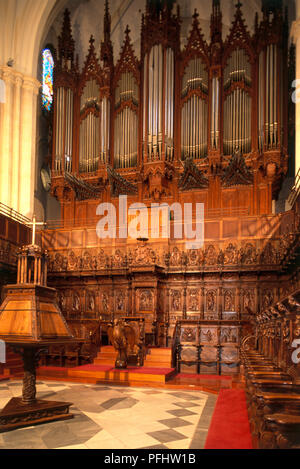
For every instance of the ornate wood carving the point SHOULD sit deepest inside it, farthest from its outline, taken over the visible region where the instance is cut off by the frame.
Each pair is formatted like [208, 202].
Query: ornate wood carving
[192, 178]
[237, 173]
[119, 185]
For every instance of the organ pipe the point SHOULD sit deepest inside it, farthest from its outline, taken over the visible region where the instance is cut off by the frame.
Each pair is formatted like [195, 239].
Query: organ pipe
[89, 144]
[159, 70]
[64, 130]
[269, 90]
[238, 103]
[194, 110]
[215, 116]
[126, 139]
[126, 122]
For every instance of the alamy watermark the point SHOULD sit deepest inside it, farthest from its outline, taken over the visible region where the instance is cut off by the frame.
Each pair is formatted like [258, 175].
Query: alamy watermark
[2, 352]
[296, 353]
[141, 222]
[296, 93]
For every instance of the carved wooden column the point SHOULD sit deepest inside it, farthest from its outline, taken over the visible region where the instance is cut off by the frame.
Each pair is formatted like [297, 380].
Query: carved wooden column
[202, 299]
[220, 302]
[133, 299]
[167, 316]
[128, 300]
[112, 301]
[238, 300]
[184, 307]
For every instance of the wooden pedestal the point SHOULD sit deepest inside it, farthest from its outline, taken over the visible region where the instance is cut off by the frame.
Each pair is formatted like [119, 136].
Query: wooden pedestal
[17, 415]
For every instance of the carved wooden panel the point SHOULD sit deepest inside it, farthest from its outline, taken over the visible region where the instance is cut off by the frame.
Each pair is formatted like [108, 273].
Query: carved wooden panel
[209, 335]
[209, 354]
[189, 335]
[189, 354]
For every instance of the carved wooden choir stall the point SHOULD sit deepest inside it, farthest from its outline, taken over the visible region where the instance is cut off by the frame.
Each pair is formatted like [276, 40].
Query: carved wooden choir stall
[272, 373]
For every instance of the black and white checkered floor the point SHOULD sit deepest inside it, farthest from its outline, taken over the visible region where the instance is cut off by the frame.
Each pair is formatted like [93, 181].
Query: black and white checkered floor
[107, 417]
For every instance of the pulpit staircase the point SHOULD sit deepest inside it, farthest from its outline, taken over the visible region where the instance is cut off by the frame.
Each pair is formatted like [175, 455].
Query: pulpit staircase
[155, 357]
[157, 368]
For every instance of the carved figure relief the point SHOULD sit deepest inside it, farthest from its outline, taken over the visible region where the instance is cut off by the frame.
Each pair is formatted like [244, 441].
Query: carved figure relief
[211, 256]
[229, 301]
[105, 300]
[230, 255]
[268, 299]
[72, 261]
[61, 301]
[146, 300]
[90, 301]
[175, 259]
[76, 302]
[194, 300]
[120, 301]
[248, 301]
[176, 300]
[248, 254]
[211, 301]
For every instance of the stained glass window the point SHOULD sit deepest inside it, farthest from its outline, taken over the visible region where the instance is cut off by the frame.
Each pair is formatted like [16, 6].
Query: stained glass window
[48, 66]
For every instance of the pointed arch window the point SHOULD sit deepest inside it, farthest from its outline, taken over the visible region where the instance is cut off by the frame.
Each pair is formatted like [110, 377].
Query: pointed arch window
[48, 68]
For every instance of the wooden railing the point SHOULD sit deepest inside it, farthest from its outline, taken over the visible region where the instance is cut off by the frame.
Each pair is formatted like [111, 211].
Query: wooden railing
[295, 192]
[13, 215]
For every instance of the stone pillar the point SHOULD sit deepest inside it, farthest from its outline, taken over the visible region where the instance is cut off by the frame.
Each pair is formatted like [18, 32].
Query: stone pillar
[18, 140]
[5, 138]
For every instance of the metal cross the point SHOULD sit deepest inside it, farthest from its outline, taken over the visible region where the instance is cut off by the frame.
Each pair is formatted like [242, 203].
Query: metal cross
[34, 224]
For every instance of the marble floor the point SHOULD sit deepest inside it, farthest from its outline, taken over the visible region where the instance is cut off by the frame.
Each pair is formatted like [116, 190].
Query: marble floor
[109, 417]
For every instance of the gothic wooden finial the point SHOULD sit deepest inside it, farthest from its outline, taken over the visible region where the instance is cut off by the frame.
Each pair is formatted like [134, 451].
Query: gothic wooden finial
[92, 40]
[271, 6]
[66, 43]
[216, 22]
[106, 45]
[127, 31]
[195, 15]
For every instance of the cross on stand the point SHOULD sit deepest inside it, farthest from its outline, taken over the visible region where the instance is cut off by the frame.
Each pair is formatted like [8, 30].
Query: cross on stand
[34, 224]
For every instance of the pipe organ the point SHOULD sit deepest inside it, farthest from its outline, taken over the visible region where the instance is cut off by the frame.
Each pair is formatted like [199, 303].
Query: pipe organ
[147, 117]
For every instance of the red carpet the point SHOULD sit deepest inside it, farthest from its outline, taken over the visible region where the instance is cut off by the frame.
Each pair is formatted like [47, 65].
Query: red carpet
[130, 369]
[229, 428]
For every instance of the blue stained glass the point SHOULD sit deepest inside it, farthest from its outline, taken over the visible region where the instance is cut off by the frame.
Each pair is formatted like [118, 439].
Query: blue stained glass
[48, 67]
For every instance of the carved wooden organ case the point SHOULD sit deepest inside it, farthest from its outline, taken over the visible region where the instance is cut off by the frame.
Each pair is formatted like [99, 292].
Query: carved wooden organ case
[209, 118]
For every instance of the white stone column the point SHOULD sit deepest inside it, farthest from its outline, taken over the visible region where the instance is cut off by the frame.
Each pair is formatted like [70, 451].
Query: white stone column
[30, 89]
[18, 116]
[5, 138]
[15, 196]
